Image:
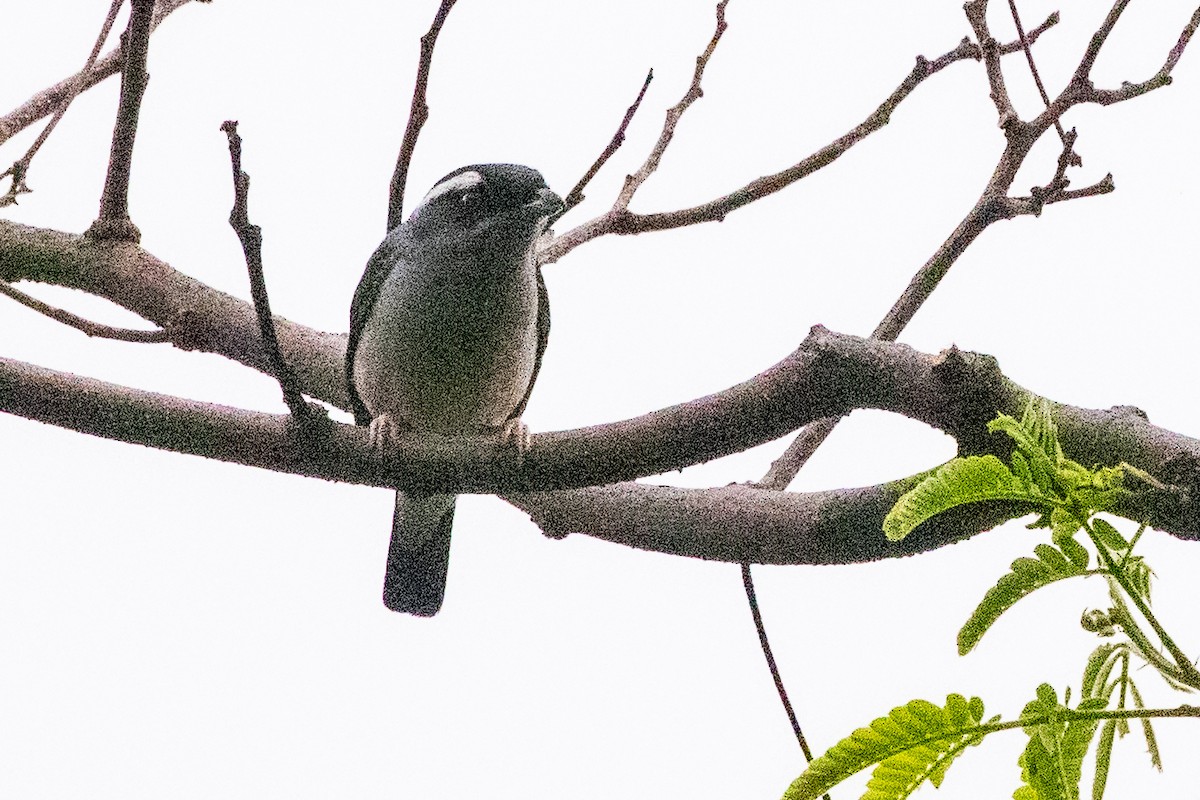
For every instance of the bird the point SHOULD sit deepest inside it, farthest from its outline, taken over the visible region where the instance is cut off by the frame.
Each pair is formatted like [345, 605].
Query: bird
[447, 330]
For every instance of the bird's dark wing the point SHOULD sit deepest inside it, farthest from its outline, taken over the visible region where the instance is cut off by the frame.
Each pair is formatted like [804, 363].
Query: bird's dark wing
[543, 334]
[379, 266]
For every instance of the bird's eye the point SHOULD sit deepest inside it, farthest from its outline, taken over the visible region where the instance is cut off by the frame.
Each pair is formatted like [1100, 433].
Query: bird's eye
[470, 200]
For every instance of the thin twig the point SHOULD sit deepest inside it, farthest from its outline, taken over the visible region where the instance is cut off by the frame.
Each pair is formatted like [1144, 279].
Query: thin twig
[632, 184]
[1033, 70]
[417, 114]
[1084, 70]
[624, 222]
[785, 468]
[1160, 78]
[45, 102]
[250, 236]
[79, 323]
[575, 196]
[20, 168]
[976, 11]
[674, 114]
[993, 205]
[113, 221]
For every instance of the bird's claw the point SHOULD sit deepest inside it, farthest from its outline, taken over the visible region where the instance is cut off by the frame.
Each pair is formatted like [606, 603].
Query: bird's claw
[385, 434]
[516, 433]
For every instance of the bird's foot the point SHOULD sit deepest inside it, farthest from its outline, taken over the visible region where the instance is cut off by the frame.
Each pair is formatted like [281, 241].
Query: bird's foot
[385, 433]
[516, 433]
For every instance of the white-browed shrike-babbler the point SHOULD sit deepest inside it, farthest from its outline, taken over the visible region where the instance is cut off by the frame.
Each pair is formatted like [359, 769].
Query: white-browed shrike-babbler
[447, 331]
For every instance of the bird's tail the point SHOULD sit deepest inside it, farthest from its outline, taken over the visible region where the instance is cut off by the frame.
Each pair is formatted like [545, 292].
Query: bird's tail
[419, 554]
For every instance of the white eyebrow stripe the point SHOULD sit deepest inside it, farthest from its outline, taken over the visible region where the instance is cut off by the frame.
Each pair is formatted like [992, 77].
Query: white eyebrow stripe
[459, 183]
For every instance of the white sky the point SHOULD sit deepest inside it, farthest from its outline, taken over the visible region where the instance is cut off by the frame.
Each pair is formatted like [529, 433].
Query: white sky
[174, 627]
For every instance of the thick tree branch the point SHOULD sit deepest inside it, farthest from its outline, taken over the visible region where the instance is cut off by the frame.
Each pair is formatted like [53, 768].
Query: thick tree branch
[829, 374]
[45, 102]
[193, 315]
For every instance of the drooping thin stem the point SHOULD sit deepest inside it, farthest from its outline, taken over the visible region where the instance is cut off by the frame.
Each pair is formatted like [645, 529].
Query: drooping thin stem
[752, 600]
[81, 324]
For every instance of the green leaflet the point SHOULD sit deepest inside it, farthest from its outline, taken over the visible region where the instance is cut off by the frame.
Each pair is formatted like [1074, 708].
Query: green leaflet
[1026, 575]
[1052, 762]
[1103, 758]
[963, 480]
[1063, 492]
[915, 742]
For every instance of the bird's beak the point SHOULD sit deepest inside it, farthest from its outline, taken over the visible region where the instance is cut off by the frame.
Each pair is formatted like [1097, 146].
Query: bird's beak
[548, 204]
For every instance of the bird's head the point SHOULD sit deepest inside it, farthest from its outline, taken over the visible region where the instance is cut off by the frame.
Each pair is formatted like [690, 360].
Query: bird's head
[485, 207]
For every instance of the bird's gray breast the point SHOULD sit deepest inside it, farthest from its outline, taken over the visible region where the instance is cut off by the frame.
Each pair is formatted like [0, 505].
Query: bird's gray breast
[450, 346]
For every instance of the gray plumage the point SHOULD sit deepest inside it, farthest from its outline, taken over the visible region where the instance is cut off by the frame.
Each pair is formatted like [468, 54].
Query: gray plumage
[447, 331]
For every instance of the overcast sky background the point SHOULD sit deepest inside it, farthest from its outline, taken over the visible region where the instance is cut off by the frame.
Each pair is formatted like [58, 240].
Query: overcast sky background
[182, 628]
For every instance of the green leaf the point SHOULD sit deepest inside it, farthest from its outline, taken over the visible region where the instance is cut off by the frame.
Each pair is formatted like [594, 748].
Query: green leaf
[913, 743]
[1103, 758]
[1063, 524]
[1026, 575]
[1138, 572]
[1147, 729]
[955, 483]
[1100, 665]
[1074, 551]
[1036, 438]
[1109, 536]
[1039, 775]
[1052, 762]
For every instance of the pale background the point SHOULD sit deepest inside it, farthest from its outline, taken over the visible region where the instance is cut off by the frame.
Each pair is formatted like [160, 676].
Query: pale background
[172, 627]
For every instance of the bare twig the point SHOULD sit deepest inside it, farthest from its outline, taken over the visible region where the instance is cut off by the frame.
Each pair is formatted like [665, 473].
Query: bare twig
[785, 468]
[79, 323]
[575, 196]
[993, 205]
[624, 222]
[1033, 70]
[113, 221]
[1156, 81]
[674, 114]
[250, 236]
[20, 168]
[1084, 70]
[417, 114]
[976, 11]
[45, 102]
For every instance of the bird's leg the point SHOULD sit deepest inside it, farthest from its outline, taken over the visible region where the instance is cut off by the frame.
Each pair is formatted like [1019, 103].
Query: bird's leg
[516, 433]
[385, 433]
